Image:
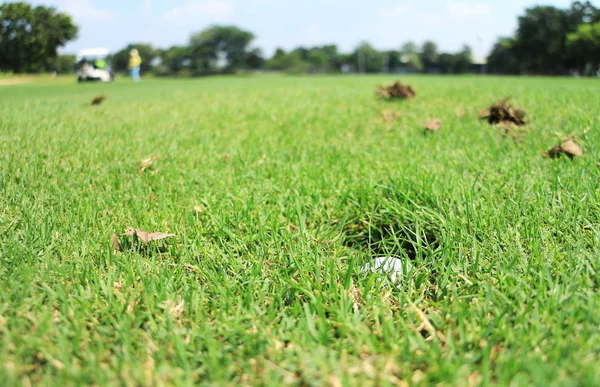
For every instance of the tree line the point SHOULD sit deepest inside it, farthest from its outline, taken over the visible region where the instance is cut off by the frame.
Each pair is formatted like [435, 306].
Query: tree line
[548, 40]
[551, 41]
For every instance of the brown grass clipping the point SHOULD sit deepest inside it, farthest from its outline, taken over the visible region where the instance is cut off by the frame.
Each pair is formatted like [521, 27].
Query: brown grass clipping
[433, 125]
[568, 148]
[503, 112]
[396, 91]
[98, 100]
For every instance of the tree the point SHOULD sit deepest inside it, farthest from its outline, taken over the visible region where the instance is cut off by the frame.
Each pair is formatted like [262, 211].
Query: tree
[120, 60]
[291, 62]
[446, 63]
[175, 58]
[584, 44]
[410, 57]
[63, 64]
[394, 60]
[541, 39]
[463, 61]
[211, 45]
[581, 12]
[30, 37]
[502, 59]
[459, 63]
[255, 59]
[331, 52]
[366, 58]
[317, 60]
[429, 55]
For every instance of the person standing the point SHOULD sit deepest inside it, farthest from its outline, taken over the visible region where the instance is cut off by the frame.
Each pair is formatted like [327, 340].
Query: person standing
[135, 61]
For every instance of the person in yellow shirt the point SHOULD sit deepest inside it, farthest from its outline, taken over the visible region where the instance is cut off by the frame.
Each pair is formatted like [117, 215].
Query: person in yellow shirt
[135, 61]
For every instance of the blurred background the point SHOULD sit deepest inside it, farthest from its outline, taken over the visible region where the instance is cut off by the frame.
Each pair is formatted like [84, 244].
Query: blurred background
[206, 37]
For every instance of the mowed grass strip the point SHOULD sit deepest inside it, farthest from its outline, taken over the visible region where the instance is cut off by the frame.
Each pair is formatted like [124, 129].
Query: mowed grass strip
[278, 190]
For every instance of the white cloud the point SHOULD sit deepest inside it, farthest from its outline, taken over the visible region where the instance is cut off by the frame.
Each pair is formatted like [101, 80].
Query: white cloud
[147, 5]
[459, 9]
[200, 11]
[86, 11]
[407, 11]
[453, 9]
[313, 33]
[397, 11]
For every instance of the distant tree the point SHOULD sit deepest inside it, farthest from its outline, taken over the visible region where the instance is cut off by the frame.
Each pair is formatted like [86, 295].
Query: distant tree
[446, 63]
[120, 60]
[366, 58]
[458, 63]
[63, 64]
[175, 58]
[302, 52]
[220, 42]
[541, 39]
[429, 55]
[317, 60]
[502, 59]
[582, 12]
[410, 48]
[584, 45]
[463, 61]
[30, 37]
[320, 59]
[331, 52]
[290, 63]
[255, 59]
[279, 52]
[394, 60]
[410, 57]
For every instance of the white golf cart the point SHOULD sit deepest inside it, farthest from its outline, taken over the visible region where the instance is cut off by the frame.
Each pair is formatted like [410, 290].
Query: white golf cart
[91, 66]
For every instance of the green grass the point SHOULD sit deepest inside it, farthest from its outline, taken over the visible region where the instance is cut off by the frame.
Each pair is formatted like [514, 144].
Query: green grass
[296, 179]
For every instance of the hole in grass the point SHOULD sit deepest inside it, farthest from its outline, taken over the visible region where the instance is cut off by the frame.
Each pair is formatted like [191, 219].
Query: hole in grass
[392, 221]
[390, 237]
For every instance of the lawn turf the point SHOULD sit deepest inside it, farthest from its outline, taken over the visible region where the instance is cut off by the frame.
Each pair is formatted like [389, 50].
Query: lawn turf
[278, 189]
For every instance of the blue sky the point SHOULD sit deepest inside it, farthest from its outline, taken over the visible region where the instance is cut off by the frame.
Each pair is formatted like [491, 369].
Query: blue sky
[386, 24]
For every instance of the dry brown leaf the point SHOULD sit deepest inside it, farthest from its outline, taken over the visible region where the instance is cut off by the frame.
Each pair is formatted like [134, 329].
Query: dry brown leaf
[147, 237]
[98, 100]
[143, 236]
[396, 91]
[114, 240]
[390, 115]
[147, 163]
[568, 148]
[503, 112]
[433, 125]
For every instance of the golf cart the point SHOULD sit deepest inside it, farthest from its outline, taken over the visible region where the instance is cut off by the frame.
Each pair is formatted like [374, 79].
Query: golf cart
[91, 66]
